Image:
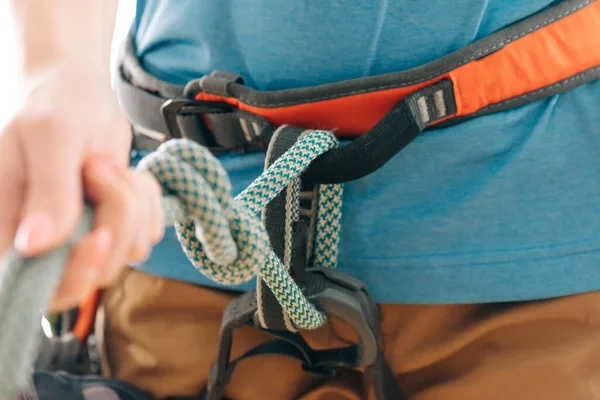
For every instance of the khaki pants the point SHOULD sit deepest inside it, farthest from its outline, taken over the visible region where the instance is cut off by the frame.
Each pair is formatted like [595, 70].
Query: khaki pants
[162, 335]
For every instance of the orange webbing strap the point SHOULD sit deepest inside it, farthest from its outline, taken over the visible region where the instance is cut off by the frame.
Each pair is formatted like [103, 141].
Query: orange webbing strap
[544, 55]
[86, 316]
[536, 61]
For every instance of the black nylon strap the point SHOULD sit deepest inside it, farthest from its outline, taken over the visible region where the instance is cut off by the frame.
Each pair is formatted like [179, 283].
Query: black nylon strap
[383, 380]
[369, 152]
[239, 312]
[271, 314]
[140, 106]
[236, 130]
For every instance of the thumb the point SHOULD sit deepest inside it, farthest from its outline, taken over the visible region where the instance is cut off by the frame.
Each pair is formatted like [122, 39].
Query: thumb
[53, 194]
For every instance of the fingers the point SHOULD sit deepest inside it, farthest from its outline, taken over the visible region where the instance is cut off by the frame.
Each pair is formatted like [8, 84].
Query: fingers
[128, 203]
[11, 195]
[84, 269]
[128, 222]
[53, 200]
[152, 228]
[157, 222]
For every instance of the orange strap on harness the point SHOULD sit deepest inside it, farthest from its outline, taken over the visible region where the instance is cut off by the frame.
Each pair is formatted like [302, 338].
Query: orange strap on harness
[546, 54]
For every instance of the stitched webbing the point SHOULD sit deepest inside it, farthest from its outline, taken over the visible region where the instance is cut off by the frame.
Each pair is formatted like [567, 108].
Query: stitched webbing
[279, 218]
[295, 230]
[222, 237]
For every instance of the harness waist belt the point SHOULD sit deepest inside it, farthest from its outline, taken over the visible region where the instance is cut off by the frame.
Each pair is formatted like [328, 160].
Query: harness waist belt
[545, 54]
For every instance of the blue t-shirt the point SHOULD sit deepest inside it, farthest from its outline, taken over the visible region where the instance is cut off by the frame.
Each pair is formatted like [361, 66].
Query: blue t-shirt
[502, 207]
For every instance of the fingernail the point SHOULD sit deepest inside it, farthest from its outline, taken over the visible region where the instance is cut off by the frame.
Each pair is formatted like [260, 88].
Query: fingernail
[33, 233]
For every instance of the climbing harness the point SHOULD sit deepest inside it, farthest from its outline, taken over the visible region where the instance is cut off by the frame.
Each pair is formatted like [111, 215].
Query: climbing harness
[292, 245]
[546, 54]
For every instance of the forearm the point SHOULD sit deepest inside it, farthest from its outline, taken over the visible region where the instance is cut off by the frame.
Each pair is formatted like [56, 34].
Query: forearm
[54, 32]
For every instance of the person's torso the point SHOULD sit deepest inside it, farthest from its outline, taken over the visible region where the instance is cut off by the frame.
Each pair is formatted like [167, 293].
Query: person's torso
[463, 213]
[288, 44]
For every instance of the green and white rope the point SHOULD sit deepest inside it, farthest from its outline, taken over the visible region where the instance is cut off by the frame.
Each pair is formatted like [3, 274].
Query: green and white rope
[223, 237]
[329, 218]
[27, 286]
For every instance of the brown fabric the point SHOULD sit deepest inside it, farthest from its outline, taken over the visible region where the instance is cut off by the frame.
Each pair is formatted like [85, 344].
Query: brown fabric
[161, 335]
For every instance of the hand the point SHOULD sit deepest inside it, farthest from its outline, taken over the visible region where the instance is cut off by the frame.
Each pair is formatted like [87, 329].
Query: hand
[69, 141]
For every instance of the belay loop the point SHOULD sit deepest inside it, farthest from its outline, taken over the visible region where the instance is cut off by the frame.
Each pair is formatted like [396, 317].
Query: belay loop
[223, 236]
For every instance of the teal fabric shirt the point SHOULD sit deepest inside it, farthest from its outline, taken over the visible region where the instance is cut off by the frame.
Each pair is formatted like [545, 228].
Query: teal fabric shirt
[503, 207]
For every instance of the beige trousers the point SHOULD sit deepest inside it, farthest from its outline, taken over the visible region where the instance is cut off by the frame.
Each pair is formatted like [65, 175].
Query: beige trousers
[161, 336]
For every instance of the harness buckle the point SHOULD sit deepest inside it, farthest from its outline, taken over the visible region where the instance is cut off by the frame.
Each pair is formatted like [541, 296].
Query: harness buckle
[342, 296]
[197, 130]
[339, 295]
[347, 298]
[335, 293]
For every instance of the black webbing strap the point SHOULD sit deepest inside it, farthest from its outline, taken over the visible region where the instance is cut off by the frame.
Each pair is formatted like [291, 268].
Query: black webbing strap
[383, 380]
[369, 152]
[287, 233]
[239, 312]
[161, 114]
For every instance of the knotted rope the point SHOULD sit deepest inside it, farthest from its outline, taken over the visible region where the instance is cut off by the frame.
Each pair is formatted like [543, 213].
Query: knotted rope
[222, 237]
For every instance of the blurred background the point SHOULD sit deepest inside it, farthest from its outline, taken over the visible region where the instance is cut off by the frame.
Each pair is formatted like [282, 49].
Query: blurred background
[8, 82]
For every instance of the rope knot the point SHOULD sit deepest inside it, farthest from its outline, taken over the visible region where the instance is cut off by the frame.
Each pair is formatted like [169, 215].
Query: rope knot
[220, 236]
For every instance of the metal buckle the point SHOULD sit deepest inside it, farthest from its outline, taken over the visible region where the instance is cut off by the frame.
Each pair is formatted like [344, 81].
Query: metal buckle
[178, 107]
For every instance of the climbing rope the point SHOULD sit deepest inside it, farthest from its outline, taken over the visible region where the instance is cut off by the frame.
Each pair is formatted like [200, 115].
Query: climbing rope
[222, 236]
[26, 288]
